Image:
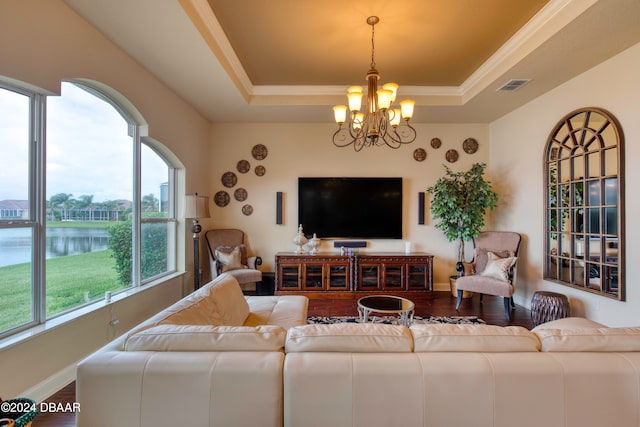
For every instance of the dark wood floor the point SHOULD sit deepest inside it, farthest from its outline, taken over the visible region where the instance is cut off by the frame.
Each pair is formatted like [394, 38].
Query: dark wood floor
[433, 304]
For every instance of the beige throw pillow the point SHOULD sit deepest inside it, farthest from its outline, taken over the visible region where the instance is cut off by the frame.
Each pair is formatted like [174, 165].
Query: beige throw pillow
[229, 260]
[498, 268]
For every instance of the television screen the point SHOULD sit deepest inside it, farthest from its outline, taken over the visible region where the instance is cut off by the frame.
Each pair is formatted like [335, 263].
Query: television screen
[351, 207]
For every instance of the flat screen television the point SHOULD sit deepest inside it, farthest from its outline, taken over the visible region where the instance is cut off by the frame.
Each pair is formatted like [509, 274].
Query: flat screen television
[362, 208]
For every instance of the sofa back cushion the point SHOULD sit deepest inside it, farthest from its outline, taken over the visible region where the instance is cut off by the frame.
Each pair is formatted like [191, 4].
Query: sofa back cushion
[207, 338]
[473, 338]
[589, 339]
[349, 338]
[231, 305]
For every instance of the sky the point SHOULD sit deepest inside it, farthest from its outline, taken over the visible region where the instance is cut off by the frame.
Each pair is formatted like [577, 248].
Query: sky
[88, 149]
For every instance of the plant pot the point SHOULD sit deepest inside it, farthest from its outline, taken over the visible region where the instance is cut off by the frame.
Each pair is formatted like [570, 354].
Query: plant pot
[454, 288]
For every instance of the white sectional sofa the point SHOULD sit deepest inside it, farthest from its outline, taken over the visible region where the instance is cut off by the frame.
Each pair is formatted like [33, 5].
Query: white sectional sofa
[187, 366]
[214, 358]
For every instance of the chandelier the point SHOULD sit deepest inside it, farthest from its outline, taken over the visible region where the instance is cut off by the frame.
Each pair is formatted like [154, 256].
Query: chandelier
[379, 124]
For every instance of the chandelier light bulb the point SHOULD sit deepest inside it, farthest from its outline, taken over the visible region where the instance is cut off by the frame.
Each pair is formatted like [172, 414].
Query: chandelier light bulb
[407, 108]
[394, 117]
[340, 113]
[393, 87]
[384, 98]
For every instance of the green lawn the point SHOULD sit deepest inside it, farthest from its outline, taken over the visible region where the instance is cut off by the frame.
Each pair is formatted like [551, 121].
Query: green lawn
[68, 279]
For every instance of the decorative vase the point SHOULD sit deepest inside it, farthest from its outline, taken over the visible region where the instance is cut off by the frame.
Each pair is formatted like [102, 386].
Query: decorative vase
[314, 244]
[300, 240]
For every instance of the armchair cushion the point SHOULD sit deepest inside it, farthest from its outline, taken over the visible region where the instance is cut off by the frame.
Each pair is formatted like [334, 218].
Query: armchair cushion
[231, 257]
[498, 267]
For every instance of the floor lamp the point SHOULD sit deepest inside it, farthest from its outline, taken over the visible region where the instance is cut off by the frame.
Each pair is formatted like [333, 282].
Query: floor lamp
[196, 207]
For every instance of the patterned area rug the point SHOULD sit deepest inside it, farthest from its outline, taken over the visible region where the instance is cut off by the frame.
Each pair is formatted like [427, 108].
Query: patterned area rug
[392, 320]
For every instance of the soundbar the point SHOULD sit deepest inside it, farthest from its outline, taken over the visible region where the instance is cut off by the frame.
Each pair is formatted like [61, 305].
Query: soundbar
[350, 244]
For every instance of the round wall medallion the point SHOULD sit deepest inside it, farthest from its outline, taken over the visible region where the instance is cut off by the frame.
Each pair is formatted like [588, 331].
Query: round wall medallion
[436, 143]
[470, 145]
[260, 170]
[451, 156]
[419, 154]
[247, 210]
[229, 179]
[259, 152]
[221, 198]
[243, 166]
[240, 194]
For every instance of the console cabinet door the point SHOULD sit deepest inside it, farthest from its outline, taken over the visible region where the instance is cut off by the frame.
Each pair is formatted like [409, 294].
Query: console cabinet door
[338, 275]
[289, 277]
[418, 277]
[313, 276]
[393, 276]
[369, 276]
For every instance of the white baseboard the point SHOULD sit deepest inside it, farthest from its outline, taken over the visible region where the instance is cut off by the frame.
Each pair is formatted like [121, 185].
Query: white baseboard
[43, 390]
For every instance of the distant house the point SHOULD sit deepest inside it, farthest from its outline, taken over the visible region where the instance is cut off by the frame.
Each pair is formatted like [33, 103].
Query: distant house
[14, 209]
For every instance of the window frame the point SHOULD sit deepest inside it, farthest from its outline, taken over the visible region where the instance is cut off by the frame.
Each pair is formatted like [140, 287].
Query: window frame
[37, 198]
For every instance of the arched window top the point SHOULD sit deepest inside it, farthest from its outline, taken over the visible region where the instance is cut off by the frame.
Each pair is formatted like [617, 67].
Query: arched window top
[584, 203]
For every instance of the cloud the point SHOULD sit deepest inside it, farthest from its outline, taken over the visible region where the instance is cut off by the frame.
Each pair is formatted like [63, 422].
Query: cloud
[88, 149]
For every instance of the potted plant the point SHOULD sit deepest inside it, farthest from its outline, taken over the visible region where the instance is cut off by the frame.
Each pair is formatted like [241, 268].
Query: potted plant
[460, 202]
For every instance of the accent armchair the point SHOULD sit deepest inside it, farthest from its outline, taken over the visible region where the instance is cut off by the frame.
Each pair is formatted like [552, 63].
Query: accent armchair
[493, 270]
[228, 254]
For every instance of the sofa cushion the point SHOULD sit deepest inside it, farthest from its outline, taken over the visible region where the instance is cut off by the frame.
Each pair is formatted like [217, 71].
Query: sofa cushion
[473, 338]
[207, 338]
[230, 302]
[589, 339]
[349, 338]
[195, 311]
[285, 310]
[569, 323]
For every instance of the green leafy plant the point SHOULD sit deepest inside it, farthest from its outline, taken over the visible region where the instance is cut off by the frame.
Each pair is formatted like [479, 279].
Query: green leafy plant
[460, 201]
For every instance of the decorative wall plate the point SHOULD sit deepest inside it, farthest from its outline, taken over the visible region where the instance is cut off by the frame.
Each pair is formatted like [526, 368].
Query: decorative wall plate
[247, 210]
[419, 154]
[451, 156]
[243, 166]
[470, 145]
[259, 152]
[221, 198]
[240, 194]
[260, 170]
[229, 179]
[436, 143]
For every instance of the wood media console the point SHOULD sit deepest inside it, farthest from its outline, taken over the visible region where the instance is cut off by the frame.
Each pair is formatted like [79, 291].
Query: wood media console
[335, 275]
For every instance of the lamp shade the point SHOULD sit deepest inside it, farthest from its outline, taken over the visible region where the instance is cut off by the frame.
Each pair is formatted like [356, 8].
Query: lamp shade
[196, 206]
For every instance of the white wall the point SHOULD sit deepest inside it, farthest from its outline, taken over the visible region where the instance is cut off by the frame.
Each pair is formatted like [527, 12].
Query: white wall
[517, 144]
[297, 150]
[44, 42]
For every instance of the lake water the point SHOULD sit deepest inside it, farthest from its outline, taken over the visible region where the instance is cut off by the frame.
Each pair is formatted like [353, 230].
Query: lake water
[15, 243]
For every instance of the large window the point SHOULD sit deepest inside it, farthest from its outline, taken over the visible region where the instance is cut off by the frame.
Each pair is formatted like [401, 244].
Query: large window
[86, 206]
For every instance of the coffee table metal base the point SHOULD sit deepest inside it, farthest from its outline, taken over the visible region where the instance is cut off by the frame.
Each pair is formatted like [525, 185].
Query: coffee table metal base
[386, 304]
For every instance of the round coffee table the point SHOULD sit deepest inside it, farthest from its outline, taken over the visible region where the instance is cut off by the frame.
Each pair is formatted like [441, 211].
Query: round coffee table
[386, 304]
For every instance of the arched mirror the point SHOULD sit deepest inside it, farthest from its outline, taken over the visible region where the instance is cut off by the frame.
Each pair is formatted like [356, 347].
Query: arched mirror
[584, 203]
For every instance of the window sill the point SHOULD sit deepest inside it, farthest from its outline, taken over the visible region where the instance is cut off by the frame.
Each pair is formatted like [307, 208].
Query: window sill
[63, 319]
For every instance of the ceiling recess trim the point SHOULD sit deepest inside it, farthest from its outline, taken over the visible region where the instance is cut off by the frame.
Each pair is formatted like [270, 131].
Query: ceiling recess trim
[547, 22]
